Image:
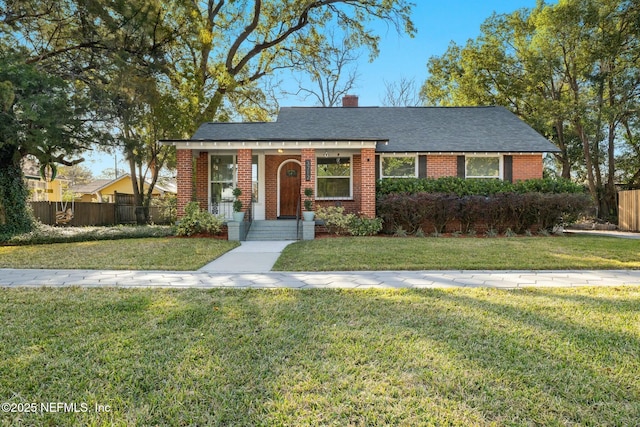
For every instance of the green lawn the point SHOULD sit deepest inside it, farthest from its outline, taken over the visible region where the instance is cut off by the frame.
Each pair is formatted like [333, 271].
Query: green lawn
[323, 357]
[126, 254]
[518, 253]
[341, 254]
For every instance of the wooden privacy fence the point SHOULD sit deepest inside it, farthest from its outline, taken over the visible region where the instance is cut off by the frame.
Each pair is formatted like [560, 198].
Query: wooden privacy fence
[84, 213]
[629, 210]
[125, 208]
[91, 214]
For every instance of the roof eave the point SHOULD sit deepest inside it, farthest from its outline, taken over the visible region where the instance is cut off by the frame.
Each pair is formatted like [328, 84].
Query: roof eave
[272, 144]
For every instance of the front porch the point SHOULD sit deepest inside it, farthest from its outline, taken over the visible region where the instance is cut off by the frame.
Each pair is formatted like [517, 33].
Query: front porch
[273, 177]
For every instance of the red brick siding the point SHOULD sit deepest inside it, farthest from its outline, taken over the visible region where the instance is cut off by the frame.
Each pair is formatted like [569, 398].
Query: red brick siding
[308, 154]
[364, 186]
[527, 166]
[244, 177]
[202, 180]
[440, 166]
[367, 182]
[184, 179]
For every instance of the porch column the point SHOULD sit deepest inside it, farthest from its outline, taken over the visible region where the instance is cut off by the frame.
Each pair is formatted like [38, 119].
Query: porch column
[184, 179]
[368, 180]
[202, 180]
[308, 154]
[245, 177]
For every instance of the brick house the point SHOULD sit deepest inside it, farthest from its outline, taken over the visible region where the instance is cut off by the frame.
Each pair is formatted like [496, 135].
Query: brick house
[340, 153]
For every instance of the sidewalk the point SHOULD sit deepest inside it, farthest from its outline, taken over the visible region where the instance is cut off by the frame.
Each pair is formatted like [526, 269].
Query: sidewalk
[324, 280]
[606, 233]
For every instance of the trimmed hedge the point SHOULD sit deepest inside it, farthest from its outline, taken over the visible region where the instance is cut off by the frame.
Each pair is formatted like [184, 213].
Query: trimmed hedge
[480, 187]
[499, 212]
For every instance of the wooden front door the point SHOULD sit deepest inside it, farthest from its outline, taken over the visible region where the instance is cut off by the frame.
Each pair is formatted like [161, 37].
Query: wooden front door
[289, 189]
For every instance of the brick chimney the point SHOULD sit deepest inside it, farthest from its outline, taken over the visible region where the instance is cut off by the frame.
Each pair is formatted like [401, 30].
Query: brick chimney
[350, 101]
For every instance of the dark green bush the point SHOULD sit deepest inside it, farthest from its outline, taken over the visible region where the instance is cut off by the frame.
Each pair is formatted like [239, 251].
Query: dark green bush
[478, 187]
[516, 211]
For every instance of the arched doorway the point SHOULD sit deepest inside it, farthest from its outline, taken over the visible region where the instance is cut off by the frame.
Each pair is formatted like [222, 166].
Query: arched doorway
[289, 188]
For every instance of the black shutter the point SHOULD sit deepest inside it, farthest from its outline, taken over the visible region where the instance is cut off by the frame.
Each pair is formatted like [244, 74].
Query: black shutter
[377, 168]
[422, 166]
[461, 167]
[508, 168]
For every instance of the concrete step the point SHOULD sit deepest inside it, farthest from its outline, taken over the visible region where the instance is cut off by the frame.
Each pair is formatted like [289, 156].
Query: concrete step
[273, 230]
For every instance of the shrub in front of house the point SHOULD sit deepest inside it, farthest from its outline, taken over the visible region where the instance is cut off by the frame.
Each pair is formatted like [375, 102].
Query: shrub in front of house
[442, 212]
[340, 223]
[197, 221]
[363, 226]
[47, 234]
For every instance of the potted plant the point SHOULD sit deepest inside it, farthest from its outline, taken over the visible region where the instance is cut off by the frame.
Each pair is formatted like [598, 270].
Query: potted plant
[238, 215]
[308, 213]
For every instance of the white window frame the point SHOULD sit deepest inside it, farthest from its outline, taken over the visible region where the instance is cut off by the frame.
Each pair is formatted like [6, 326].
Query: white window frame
[333, 156]
[234, 181]
[494, 156]
[386, 156]
[226, 204]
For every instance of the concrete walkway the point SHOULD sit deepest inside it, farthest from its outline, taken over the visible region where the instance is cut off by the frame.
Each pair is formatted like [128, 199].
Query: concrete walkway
[249, 257]
[605, 233]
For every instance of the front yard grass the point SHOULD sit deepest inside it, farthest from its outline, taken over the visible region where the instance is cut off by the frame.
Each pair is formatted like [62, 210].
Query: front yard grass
[517, 253]
[126, 254]
[455, 357]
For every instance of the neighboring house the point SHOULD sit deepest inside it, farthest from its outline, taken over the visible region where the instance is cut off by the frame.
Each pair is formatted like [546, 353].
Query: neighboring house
[41, 190]
[103, 190]
[340, 152]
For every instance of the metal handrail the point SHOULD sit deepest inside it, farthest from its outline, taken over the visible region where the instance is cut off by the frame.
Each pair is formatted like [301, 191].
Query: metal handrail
[298, 215]
[248, 219]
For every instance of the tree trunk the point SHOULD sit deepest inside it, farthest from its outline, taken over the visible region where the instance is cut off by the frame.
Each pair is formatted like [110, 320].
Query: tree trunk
[14, 214]
[586, 149]
[137, 195]
[563, 157]
[610, 191]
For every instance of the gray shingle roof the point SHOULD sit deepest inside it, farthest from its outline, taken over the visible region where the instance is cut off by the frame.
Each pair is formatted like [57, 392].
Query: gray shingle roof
[407, 129]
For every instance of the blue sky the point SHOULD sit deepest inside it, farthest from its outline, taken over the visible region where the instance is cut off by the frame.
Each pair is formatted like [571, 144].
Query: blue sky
[438, 23]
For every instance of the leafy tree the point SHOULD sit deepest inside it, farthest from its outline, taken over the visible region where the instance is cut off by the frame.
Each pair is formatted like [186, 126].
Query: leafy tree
[117, 52]
[76, 174]
[157, 69]
[111, 173]
[229, 46]
[570, 70]
[39, 117]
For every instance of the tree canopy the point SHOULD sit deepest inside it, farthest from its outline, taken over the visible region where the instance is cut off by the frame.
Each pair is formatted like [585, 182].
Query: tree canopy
[141, 70]
[572, 71]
